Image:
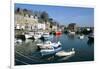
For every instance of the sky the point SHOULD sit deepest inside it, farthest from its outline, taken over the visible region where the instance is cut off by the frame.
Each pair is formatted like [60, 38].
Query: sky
[64, 14]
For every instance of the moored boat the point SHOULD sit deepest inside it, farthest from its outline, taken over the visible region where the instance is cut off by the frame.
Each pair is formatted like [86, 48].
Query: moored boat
[81, 36]
[46, 43]
[71, 32]
[38, 35]
[46, 35]
[58, 33]
[18, 41]
[49, 48]
[28, 36]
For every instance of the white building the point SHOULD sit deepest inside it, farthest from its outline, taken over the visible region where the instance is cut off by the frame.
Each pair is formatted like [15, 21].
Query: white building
[28, 23]
[40, 26]
[25, 22]
[54, 28]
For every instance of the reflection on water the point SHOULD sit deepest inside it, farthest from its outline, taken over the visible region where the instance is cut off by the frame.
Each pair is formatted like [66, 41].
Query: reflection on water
[90, 42]
[27, 51]
[71, 36]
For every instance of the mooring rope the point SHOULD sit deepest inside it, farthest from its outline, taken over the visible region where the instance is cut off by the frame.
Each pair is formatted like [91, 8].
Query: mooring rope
[25, 56]
[35, 60]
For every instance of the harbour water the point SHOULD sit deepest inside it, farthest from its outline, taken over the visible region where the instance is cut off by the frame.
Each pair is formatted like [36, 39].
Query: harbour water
[28, 53]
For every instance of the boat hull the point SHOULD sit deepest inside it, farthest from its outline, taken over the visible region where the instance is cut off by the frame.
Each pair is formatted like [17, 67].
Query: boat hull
[63, 54]
[49, 52]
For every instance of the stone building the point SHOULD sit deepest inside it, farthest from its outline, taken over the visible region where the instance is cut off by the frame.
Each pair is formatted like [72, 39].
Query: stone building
[72, 27]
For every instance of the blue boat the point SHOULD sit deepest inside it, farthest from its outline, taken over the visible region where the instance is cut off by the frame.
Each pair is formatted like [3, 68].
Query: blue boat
[48, 47]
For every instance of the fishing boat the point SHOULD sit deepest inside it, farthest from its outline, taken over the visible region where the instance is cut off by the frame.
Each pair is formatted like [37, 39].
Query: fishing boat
[49, 47]
[64, 53]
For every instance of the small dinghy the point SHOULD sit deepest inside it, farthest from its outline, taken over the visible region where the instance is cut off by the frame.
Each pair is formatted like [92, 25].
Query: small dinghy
[63, 53]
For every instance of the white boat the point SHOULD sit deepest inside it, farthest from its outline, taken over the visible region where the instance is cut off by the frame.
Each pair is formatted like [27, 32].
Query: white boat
[81, 36]
[49, 43]
[46, 35]
[18, 41]
[48, 51]
[63, 53]
[38, 35]
[28, 36]
[71, 32]
[49, 48]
